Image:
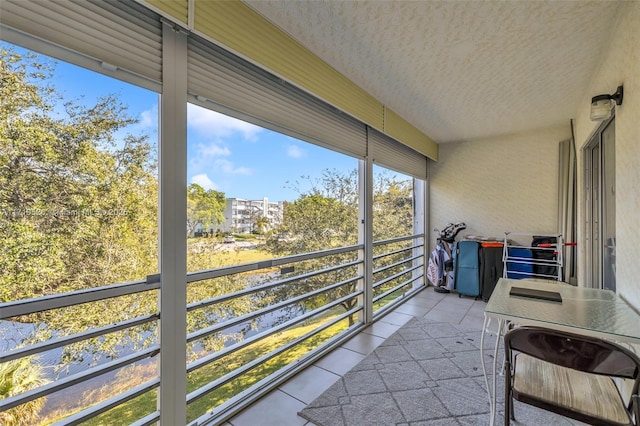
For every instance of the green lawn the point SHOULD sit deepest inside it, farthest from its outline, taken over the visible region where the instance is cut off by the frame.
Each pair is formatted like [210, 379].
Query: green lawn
[202, 254]
[146, 403]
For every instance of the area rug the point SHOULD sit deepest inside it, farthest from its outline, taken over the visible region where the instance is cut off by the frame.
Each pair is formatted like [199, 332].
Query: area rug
[426, 373]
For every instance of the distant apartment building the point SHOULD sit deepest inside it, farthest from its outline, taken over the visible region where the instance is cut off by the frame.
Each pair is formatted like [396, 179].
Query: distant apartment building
[243, 216]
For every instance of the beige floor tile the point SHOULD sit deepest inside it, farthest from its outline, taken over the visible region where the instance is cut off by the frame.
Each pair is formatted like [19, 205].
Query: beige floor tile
[340, 361]
[363, 343]
[396, 318]
[275, 409]
[381, 329]
[309, 384]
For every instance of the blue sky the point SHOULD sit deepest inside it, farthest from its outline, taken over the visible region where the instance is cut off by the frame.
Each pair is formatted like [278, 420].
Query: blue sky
[247, 161]
[229, 155]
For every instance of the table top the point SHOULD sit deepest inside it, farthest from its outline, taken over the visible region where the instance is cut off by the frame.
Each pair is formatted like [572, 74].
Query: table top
[595, 312]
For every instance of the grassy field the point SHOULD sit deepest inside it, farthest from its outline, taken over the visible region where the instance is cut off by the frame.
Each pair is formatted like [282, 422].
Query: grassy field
[204, 254]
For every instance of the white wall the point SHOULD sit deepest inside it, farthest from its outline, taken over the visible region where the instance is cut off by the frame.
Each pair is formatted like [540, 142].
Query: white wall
[620, 65]
[500, 184]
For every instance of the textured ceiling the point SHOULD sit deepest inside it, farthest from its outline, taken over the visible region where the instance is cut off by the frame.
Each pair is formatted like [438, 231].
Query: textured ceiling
[459, 70]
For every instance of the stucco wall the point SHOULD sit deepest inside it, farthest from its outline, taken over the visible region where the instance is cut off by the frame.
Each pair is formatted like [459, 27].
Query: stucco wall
[499, 184]
[620, 65]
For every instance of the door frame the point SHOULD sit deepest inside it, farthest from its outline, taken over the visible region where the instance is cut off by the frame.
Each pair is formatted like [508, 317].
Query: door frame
[596, 219]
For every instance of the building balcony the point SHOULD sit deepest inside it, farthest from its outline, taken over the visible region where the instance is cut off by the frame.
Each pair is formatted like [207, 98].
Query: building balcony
[193, 347]
[270, 372]
[468, 405]
[242, 338]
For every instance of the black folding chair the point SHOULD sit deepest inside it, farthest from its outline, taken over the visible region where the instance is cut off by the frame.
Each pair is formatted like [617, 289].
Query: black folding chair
[571, 375]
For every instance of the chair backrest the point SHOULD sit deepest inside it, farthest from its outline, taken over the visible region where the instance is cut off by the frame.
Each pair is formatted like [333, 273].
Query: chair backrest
[574, 351]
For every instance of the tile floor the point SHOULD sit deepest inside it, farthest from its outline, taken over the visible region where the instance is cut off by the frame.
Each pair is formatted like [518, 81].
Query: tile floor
[280, 407]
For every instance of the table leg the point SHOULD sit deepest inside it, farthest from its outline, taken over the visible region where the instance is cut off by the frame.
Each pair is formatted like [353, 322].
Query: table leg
[494, 402]
[485, 325]
[491, 390]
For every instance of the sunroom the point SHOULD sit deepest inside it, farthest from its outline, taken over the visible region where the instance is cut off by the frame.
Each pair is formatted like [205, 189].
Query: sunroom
[381, 119]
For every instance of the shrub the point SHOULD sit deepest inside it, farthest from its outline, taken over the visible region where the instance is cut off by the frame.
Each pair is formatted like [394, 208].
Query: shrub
[17, 377]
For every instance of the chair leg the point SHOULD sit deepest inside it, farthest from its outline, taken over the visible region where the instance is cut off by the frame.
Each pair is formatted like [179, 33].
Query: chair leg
[508, 413]
[508, 404]
[513, 414]
[636, 402]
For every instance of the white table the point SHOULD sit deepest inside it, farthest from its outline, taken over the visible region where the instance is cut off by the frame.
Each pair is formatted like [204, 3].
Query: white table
[592, 312]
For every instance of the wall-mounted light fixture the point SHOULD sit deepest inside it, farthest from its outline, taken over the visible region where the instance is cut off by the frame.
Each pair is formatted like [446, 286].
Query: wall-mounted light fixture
[601, 105]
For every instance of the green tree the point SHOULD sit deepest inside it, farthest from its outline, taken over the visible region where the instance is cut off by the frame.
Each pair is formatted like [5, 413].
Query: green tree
[205, 208]
[78, 210]
[262, 224]
[16, 377]
[392, 217]
[323, 217]
[326, 216]
[392, 206]
[79, 206]
[78, 202]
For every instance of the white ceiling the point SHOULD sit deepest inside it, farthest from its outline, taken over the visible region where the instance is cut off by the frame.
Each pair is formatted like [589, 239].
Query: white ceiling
[459, 70]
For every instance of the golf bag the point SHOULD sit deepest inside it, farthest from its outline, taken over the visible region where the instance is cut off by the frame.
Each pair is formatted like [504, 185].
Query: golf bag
[440, 268]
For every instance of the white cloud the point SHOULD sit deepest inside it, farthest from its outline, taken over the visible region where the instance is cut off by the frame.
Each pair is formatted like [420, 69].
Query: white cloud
[214, 149]
[294, 151]
[149, 118]
[216, 125]
[208, 157]
[226, 166]
[204, 181]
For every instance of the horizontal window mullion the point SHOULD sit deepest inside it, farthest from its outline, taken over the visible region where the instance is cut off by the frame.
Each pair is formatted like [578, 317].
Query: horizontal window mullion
[83, 376]
[396, 288]
[110, 403]
[390, 253]
[198, 393]
[221, 326]
[148, 420]
[248, 291]
[221, 272]
[408, 259]
[395, 302]
[236, 347]
[230, 270]
[394, 276]
[388, 292]
[67, 340]
[397, 239]
[63, 300]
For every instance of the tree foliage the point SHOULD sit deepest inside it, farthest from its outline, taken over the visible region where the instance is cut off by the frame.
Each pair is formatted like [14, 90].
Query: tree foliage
[16, 377]
[392, 217]
[262, 224]
[392, 207]
[79, 209]
[323, 217]
[78, 204]
[205, 208]
[326, 216]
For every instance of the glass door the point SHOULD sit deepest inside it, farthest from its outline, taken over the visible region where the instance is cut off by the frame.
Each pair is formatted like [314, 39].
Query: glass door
[601, 208]
[608, 208]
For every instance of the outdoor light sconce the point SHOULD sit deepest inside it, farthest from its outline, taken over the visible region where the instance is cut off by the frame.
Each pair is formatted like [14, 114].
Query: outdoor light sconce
[601, 105]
